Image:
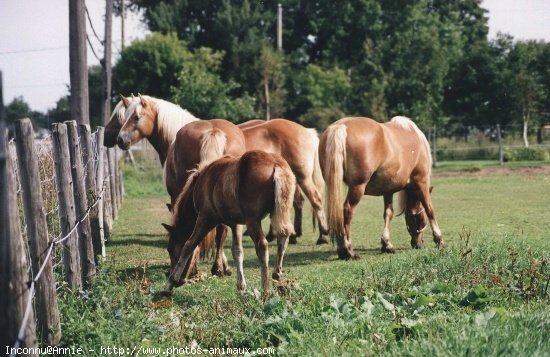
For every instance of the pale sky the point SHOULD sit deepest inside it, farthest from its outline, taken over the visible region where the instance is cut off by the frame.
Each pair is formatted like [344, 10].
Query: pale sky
[34, 41]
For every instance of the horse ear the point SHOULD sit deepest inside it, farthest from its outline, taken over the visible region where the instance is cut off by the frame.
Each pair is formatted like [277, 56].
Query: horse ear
[133, 96]
[167, 227]
[143, 100]
[431, 189]
[125, 101]
[169, 205]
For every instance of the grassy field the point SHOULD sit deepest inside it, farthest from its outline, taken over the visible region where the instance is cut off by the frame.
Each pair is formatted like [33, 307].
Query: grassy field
[486, 293]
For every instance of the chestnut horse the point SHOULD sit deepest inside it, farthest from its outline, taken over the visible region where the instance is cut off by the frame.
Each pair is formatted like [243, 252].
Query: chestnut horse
[378, 160]
[154, 119]
[198, 144]
[221, 193]
[298, 146]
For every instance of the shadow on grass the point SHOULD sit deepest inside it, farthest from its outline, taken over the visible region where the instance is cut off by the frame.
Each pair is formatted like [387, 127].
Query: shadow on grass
[139, 239]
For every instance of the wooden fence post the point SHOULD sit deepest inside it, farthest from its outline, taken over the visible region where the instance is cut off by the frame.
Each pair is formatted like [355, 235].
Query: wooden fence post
[107, 210]
[500, 148]
[67, 216]
[118, 179]
[112, 181]
[87, 260]
[100, 191]
[85, 136]
[47, 309]
[17, 312]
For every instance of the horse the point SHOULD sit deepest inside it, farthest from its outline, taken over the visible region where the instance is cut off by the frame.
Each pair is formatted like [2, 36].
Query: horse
[221, 193]
[159, 120]
[198, 144]
[298, 146]
[378, 160]
[155, 119]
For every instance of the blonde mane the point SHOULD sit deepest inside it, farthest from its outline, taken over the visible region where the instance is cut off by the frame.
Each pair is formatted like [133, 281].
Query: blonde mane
[170, 117]
[408, 124]
[119, 111]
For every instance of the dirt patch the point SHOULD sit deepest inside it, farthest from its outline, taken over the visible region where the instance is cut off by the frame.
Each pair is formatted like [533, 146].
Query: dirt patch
[496, 171]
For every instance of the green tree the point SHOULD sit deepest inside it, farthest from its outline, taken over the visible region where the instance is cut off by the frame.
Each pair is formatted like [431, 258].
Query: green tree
[272, 92]
[150, 66]
[95, 93]
[61, 112]
[201, 90]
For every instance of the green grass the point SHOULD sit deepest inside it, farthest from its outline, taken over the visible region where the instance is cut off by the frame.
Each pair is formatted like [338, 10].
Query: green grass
[477, 165]
[486, 293]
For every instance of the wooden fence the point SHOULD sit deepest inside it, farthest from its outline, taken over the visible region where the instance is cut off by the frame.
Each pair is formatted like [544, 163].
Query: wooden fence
[58, 200]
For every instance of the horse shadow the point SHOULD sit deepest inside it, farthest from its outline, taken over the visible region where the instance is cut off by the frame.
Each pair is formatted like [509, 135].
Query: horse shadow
[138, 239]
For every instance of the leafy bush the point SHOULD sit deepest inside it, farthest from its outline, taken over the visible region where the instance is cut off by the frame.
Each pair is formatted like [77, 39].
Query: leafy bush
[526, 154]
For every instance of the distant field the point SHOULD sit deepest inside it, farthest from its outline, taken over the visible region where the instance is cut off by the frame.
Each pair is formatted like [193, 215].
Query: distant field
[486, 293]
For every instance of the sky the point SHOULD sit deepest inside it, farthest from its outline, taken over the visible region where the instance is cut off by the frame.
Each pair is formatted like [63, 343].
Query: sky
[34, 41]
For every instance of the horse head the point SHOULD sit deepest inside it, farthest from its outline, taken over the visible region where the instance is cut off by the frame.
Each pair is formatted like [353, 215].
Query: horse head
[115, 122]
[139, 122]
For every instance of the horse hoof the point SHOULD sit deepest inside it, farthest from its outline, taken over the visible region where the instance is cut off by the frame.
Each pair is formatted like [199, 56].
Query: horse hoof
[322, 240]
[166, 293]
[441, 244]
[345, 254]
[292, 240]
[416, 245]
[277, 276]
[217, 272]
[388, 249]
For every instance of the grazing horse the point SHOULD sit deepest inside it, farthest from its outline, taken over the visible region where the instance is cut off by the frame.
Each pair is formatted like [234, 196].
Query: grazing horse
[298, 146]
[378, 160]
[154, 119]
[198, 144]
[233, 191]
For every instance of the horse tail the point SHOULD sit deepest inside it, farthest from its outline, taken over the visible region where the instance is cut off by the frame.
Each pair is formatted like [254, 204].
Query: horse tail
[213, 143]
[285, 186]
[401, 203]
[335, 159]
[317, 176]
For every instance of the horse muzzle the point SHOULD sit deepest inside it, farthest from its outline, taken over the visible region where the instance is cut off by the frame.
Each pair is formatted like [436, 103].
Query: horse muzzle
[123, 141]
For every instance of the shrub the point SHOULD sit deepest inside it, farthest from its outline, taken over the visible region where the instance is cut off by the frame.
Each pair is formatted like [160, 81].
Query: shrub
[526, 154]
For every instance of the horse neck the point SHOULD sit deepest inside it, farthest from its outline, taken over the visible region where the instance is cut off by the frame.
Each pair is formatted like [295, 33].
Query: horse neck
[167, 124]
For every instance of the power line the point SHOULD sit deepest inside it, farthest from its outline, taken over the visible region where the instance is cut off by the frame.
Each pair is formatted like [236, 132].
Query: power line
[92, 48]
[34, 50]
[92, 26]
[38, 85]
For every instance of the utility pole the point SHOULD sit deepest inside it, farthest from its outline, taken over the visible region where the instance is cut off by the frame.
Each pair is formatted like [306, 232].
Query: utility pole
[279, 27]
[122, 25]
[106, 63]
[78, 63]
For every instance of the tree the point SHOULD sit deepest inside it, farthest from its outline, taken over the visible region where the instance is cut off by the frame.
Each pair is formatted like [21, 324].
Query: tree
[272, 92]
[150, 66]
[201, 90]
[61, 112]
[527, 90]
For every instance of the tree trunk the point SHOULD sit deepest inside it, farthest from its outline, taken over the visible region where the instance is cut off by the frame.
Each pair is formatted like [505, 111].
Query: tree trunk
[525, 127]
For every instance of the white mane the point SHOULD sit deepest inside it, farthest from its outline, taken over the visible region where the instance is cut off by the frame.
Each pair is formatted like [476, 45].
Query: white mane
[119, 111]
[408, 124]
[171, 117]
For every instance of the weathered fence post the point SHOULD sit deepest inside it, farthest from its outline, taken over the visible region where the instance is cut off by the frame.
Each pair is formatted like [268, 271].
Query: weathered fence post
[47, 310]
[118, 179]
[100, 244]
[107, 210]
[112, 181]
[67, 216]
[87, 260]
[85, 136]
[16, 308]
[500, 148]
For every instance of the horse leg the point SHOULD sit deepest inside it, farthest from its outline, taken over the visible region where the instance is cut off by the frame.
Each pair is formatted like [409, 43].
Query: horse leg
[424, 195]
[202, 227]
[387, 246]
[352, 200]
[237, 250]
[282, 243]
[314, 197]
[260, 243]
[220, 267]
